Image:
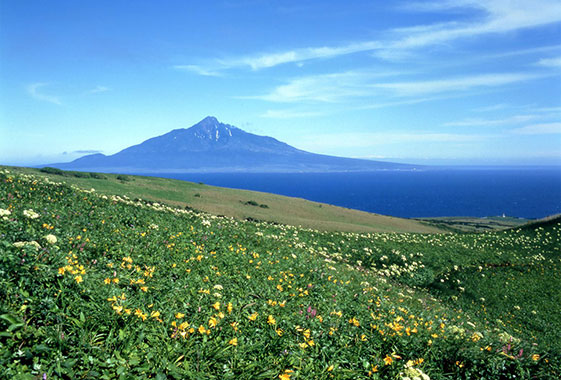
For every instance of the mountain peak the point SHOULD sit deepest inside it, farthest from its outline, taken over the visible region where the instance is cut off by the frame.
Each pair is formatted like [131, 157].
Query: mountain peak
[211, 129]
[209, 120]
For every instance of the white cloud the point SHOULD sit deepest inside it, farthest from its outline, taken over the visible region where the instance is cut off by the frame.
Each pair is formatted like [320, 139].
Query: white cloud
[289, 114]
[498, 16]
[490, 122]
[339, 87]
[454, 84]
[492, 108]
[326, 88]
[99, 89]
[539, 129]
[33, 90]
[365, 140]
[550, 62]
[198, 70]
[262, 61]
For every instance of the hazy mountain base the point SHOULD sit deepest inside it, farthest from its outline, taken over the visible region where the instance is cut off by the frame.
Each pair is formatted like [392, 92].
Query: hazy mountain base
[106, 287]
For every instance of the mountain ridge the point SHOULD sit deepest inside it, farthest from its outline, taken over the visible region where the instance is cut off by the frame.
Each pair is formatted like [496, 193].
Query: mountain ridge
[212, 146]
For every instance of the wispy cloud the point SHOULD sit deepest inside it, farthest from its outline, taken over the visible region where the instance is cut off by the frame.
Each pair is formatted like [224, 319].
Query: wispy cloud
[455, 84]
[262, 61]
[197, 69]
[326, 88]
[99, 89]
[373, 139]
[492, 108]
[499, 16]
[539, 129]
[290, 114]
[491, 122]
[33, 90]
[339, 87]
[86, 151]
[550, 62]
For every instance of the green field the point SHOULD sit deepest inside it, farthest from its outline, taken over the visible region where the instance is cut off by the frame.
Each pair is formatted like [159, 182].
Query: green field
[98, 284]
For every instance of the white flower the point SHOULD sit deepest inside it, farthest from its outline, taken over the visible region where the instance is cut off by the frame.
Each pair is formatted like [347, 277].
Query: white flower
[4, 212]
[30, 214]
[51, 239]
[21, 244]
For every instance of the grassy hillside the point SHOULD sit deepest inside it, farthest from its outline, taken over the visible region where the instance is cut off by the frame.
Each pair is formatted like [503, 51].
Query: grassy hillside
[474, 224]
[96, 286]
[240, 204]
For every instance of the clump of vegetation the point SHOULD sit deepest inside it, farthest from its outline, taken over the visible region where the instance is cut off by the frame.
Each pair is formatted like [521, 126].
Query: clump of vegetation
[97, 286]
[77, 174]
[50, 170]
[197, 195]
[124, 178]
[97, 176]
[253, 203]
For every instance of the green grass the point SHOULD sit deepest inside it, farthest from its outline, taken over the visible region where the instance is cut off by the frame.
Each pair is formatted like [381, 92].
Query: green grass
[132, 289]
[233, 203]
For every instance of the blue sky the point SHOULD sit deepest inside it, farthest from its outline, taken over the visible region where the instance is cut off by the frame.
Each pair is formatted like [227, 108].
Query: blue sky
[442, 82]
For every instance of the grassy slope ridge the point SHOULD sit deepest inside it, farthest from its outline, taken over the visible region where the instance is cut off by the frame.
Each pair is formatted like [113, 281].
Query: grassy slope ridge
[232, 202]
[136, 290]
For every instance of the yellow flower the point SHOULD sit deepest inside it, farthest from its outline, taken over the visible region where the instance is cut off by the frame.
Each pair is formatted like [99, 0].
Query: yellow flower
[233, 342]
[183, 326]
[118, 309]
[229, 308]
[253, 316]
[78, 279]
[216, 306]
[330, 368]
[279, 332]
[307, 333]
[271, 320]
[155, 314]
[284, 376]
[303, 345]
[535, 357]
[140, 314]
[61, 270]
[144, 288]
[212, 322]
[203, 330]
[363, 338]
[107, 281]
[179, 315]
[388, 360]
[116, 280]
[354, 321]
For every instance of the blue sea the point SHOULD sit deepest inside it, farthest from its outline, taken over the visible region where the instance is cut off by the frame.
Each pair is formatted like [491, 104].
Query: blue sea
[524, 192]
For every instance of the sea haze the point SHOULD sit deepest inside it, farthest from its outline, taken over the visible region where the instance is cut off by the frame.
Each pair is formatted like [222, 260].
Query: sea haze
[522, 192]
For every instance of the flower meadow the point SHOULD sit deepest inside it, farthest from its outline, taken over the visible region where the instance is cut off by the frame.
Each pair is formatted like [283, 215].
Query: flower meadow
[96, 286]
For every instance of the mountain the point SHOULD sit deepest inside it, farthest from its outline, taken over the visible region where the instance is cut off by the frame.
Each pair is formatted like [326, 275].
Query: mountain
[212, 146]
